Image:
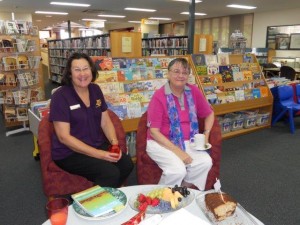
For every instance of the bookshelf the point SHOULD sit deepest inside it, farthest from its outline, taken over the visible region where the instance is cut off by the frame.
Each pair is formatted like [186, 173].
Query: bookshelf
[172, 45]
[264, 55]
[223, 94]
[21, 80]
[60, 50]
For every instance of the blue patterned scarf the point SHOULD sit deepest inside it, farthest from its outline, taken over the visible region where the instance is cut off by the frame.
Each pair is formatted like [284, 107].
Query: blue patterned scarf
[176, 134]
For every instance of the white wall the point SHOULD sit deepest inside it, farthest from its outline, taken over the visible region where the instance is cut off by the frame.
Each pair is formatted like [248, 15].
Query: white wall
[273, 18]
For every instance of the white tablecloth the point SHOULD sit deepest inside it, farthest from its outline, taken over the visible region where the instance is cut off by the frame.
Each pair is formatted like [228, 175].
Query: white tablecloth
[128, 212]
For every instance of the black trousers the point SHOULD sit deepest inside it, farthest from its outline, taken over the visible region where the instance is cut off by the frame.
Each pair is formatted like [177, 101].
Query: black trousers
[101, 172]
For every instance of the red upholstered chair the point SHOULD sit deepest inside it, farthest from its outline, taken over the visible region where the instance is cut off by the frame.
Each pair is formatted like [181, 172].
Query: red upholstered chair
[57, 182]
[149, 173]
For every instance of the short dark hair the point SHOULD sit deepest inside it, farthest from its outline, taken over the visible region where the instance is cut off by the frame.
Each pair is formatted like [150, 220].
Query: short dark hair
[182, 61]
[66, 79]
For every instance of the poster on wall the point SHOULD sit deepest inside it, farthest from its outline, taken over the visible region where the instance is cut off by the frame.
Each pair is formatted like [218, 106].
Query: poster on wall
[282, 41]
[126, 44]
[295, 41]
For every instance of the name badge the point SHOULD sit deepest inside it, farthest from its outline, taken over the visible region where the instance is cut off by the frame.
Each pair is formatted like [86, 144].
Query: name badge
[72, 107]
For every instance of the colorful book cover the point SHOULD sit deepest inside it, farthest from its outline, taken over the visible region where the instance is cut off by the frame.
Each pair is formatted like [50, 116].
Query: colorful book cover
[134, 110]
[158, 73]
[119, 110]
[159, 83]
[130, 87]
[230, 96]
[164, 62]
[248, 94]
[123, 99]
[212, 99]
[198, 59]
[212, 69]
[227, 76]
[205, 80]
[234, 68]
[256, 93]
[264, 91]
[209, 90]
[238, 76]
[127, 73]
[216, 79]
[112, 99]
[96, 201]
[111, 87]
[147, 96]
[143, 73]
[223, 58]
[221, 98]
[107, 76]
[201, 70]
[148, 85]
[136, 73]
[136, 97]
[247, 75]
[102, 62]
[150, 72]
[244, 66]
[256, 76]
[248, 58]
[254, 67]
[119, 63]
[239, 95]
[130, 63]
[120, 75]
[210, 59]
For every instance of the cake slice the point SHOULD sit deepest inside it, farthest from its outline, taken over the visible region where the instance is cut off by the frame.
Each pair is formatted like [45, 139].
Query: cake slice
[221, 206]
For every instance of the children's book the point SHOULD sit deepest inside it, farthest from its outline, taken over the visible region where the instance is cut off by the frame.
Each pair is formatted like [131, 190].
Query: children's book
[230, 96]
[210, 59]
[97, 201]
[212, 99]
[106, 76]
[212, 69]
[248, 58]
[198, 59]
[247, 75]
[264, 91]
[201, 70]
[248, 94]
[238, 76]
[223, 59]
[256, 93]
[239, 95]
[209, 90]
[221, 98]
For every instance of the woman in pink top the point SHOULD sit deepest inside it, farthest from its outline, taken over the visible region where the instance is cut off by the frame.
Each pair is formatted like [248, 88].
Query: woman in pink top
[172, 121]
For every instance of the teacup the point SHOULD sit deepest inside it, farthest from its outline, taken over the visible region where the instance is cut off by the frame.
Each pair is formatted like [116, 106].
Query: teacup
[198, 141]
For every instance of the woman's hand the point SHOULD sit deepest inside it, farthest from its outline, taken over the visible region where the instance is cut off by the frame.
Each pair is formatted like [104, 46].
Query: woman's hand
[111, 157]
[186, 158]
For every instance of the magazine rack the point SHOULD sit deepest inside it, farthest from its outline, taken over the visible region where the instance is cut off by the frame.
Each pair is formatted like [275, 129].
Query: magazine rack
[20, 73]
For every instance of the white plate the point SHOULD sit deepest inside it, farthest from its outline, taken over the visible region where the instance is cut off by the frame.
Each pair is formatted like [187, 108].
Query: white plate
[155, 210]
[201, 149]
[115, 192]
[240, 216]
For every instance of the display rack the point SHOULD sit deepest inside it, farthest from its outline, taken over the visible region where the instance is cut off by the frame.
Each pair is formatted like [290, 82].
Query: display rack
[20, 74]
[220, 90]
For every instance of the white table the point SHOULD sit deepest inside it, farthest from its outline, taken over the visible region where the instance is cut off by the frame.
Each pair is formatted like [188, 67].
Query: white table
[128, 212]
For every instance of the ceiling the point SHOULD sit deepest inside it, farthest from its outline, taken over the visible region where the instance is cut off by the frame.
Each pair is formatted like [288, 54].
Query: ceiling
[165, 8]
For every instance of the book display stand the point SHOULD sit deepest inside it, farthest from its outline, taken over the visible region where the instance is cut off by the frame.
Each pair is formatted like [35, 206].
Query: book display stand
[237, 91]
[20, 73]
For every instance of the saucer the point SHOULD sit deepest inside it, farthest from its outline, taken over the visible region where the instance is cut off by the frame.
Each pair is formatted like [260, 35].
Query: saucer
[199, 148]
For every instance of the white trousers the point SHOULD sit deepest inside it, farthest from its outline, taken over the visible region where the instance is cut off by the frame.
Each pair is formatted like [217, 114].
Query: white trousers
[175, 171]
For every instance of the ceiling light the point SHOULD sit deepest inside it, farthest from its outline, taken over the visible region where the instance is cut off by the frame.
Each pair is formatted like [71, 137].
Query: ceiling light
[55, 13]
[132, 21]
[196, 1]
[115, 16]
[94, 20]
[139, 9]
[196, 14]
[159, 18]
[70, 4]
[241, 6]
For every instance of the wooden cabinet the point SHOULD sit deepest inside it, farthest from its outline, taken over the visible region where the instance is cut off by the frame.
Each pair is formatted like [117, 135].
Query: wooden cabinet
[225, 96]
[21, 79]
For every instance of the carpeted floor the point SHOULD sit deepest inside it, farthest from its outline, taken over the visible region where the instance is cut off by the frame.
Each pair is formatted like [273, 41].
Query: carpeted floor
[261, 170]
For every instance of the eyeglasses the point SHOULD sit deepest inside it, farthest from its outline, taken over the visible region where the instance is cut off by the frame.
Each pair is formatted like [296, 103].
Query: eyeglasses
[79, 70]
[178, 72]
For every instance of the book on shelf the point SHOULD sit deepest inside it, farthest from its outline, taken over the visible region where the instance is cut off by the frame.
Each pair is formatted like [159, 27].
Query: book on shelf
[230, 96]
[256, 93]
[212, 68]
[107, 76]
[201, 70]
[238, 76]
[97, 201]
[119, 110]
[239, 95]
[198, 59]
[210, 59]
[248, 75]
[223, 58]
[221, 98]
[216, 79]
[234, 68]
[248, 58]
[212, 99]
[264, 91]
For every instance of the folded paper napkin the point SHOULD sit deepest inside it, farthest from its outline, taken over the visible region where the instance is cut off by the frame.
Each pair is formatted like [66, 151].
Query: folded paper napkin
[182, 216]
